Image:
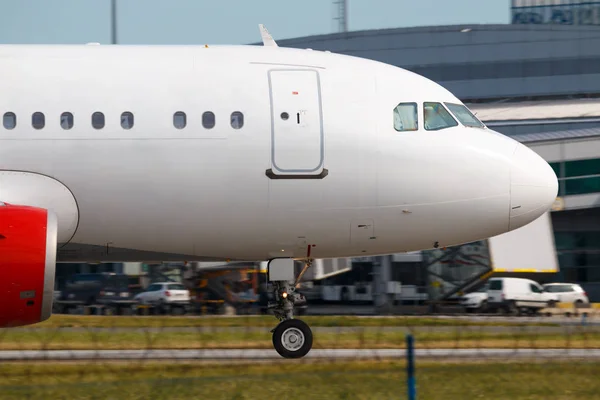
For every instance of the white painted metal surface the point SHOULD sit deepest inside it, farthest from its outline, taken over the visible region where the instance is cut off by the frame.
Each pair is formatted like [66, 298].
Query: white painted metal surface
[155, 192]
[38, 190]
[296, 118]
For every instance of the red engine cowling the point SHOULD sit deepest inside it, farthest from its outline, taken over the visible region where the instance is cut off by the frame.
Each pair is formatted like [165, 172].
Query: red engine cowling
[28, 237]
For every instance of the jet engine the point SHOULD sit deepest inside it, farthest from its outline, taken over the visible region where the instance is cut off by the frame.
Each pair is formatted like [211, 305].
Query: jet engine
[28, 240]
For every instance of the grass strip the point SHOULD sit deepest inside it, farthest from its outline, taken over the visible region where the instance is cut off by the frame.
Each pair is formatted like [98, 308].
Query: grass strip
[322, 380]
[93, 321]
[367, 338]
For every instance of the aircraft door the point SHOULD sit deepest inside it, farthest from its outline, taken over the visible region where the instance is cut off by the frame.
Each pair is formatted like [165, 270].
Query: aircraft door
[297, 137]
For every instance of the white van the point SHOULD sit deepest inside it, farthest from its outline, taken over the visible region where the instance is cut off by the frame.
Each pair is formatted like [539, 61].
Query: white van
[518, 295]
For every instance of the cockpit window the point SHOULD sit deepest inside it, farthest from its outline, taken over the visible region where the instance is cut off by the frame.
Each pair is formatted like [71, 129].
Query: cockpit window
[405, 117]
[437, 117]
[464, 115]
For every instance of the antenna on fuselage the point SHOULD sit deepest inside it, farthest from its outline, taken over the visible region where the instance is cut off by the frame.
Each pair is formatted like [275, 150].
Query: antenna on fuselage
[266, 37]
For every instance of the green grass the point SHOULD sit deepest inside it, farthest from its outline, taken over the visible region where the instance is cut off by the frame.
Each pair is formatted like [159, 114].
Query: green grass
[224, 339]
[300, 379]
[59, 321]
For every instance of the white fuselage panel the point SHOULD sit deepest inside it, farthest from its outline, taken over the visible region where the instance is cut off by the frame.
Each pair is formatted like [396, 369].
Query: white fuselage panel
[315, 164]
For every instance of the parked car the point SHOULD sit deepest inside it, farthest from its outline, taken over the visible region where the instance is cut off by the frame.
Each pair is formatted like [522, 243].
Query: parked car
[93, 289]
[518, 295]
[476, 301]
[567, 292]
[162, 294]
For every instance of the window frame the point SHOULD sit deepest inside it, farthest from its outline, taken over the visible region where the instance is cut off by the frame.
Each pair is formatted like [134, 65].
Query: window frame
[496, 284]
[534, 288]
[100, 113]
[582, 185]
[582, 168]
[456, 123]
[38, 113]
[416, 109]
[124, 114]
[72, 120]
[447, 104]
[240, 115]
[180, 114]
[178, 286]
[206, 114]
[9, 114]
[156, 287]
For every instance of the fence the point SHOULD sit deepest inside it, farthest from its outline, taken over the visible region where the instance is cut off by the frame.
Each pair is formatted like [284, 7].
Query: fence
[165, 357]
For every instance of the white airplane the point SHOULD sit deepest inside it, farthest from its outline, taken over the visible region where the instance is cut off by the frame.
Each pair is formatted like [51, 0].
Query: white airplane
[208, 153]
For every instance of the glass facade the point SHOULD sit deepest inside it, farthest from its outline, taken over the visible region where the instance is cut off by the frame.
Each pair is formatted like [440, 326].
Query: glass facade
[578, 177]
[579, 255]
[577, 239]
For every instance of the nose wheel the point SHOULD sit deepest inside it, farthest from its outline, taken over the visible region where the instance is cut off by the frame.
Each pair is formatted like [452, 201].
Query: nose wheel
[292, 338]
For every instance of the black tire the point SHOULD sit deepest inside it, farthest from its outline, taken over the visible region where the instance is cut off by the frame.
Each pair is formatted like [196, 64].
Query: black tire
[578, 303]
[286, 337]
[511, 308]
[161, 308]
[551, 304]
[178, 310]
[483, 308]
[345, 296]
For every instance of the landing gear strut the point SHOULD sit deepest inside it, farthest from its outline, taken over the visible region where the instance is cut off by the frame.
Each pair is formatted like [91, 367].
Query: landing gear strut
[292, 338]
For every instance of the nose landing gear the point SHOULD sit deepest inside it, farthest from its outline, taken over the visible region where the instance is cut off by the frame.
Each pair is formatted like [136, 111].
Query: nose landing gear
[292, 338]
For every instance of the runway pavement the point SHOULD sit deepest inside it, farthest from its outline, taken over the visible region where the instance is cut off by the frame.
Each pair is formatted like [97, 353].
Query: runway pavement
[267, 354]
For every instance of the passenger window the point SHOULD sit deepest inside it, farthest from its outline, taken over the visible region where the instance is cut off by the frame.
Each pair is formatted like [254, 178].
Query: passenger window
[9, 120]
[38, 120]
[208, 120]
[436, 117]
[66, 120]
[405, 117]
[179, 120]
[464, 115]
[98, 120]
[127, 120]
[237, 120]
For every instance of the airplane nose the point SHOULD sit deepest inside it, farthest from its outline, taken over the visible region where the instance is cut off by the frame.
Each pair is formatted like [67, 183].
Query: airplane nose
[533, 187]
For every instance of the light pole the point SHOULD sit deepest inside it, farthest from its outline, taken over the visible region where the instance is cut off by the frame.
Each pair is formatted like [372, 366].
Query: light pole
[113, 21]
[342, 15]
